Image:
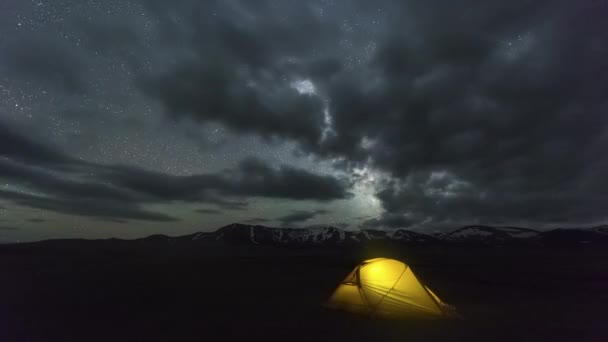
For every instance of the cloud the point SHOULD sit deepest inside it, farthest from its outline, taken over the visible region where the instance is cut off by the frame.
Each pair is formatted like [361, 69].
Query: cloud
[252, 178]
[208, 211]
[48, 59]
[503, 97]
[86, 207]
[515, 135]
[389, 220]
[36, 220]
[15, 145]
[298, 216]
[111, 219]
[256, 178]
[52, 181]
[488, 112]
[8, 228]
[41, 180]
[228, 204]
[257, 220]
[237, 63]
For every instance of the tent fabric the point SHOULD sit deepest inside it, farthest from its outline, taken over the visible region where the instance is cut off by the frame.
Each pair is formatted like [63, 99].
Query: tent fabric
[386, 288]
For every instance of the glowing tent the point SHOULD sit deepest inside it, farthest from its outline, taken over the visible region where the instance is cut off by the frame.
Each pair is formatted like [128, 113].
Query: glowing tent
[387, 288]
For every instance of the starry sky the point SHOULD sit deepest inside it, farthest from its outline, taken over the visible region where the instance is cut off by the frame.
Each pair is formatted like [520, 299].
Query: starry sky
[128, 118]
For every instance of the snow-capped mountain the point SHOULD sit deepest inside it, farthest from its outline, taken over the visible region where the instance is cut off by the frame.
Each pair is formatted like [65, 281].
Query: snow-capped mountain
[332, 236]
[404, 235]
[257, 234]
[487, 234]
[600, 229]
[499, 235]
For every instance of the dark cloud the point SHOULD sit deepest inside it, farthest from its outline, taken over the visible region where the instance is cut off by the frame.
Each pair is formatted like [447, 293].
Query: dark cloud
[241, 62]
[488, 112]
[213, 98]
[56, 191]
[390, 220]
[8, 228]
[104, 37]
[341, 225]
[256, 220]
[85, 207]
[48, 59]
[228, 204]
[251, 178]
[121, 192]
[15, 145]
[41, 180]
[208, 211]
[111, 219]
[256, 178]
[298, 216]
[502, 97]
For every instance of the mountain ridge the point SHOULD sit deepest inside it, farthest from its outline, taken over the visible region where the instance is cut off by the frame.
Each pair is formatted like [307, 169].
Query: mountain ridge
[331, 236]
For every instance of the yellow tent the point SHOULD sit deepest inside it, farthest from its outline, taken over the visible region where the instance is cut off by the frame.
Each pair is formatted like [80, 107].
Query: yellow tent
[387, 288]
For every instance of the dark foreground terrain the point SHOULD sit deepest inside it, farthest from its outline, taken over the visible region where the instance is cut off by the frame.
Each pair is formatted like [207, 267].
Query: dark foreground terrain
[149, 290]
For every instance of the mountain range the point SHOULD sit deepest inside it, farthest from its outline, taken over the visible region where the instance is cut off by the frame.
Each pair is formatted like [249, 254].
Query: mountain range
[332, 236]
[328, 236]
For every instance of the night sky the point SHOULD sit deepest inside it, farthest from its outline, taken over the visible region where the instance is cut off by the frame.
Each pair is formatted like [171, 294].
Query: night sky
[128, 118]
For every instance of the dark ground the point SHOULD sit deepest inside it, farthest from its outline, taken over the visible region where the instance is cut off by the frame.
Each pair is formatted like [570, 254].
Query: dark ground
[151, 291]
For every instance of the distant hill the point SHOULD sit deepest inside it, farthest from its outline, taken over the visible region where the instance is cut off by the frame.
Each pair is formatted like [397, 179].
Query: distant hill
[257, 234]
[489, 234]
[328, 236]
[332, 236]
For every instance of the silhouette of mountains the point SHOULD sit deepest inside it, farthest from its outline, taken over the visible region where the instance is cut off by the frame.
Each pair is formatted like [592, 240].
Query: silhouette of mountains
[328, 236]
[332, 236]
[257, 234]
